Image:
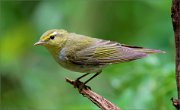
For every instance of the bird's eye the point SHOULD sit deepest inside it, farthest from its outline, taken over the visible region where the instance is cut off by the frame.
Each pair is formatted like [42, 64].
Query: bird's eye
[52, 37]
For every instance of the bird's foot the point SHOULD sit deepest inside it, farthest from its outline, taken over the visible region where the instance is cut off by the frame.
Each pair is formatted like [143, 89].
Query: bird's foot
[83, 86]
[80, 85]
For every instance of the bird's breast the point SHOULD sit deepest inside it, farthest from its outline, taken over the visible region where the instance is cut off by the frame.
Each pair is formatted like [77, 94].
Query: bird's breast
[64, 62]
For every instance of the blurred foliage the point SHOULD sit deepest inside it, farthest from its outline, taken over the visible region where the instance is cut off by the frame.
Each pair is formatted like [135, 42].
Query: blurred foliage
[30, 79]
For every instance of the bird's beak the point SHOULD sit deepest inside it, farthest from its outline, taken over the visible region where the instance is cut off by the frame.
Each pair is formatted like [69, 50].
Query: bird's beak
[39, 43]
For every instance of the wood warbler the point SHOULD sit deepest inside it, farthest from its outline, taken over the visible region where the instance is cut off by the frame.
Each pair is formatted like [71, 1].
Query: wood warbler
[84, 54]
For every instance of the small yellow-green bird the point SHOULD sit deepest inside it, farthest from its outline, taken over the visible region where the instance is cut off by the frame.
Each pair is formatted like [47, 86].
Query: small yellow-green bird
[84, 54]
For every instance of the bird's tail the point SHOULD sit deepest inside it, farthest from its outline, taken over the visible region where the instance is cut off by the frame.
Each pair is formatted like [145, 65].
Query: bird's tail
[145, 50]
[149, 51]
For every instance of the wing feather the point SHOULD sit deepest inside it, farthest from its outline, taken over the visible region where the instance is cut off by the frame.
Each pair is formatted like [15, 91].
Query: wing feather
[105, 52]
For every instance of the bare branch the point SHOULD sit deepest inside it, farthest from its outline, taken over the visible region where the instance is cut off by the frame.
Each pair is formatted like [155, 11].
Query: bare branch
[175, 10]
[98, 100]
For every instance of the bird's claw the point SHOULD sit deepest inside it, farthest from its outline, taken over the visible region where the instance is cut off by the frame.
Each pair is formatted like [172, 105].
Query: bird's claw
[76, 83]
[80, 85]
[83, 86]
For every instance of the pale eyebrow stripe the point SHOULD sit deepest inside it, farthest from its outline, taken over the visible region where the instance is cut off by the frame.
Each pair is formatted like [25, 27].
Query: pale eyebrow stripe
[54, 33]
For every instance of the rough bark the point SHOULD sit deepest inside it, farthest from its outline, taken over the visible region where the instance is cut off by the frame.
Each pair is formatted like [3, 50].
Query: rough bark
[98, 100]
[175, 14]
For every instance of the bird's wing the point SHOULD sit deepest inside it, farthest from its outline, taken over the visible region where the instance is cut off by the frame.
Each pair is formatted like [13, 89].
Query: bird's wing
[104, 52]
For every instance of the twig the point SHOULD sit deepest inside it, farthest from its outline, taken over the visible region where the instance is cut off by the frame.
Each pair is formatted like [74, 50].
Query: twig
[175, 10]
[98, 100]
[176, 103]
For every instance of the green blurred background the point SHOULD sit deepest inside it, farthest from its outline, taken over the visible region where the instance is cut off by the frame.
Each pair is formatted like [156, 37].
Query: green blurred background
[31, 79]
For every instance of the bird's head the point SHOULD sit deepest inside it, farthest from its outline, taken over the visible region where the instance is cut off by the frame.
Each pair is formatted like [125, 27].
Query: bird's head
[53, 38]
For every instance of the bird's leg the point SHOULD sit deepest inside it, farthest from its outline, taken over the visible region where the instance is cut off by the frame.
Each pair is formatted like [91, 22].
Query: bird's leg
[81, 76]
[77, 81]
[83, 85]
[92, 77]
